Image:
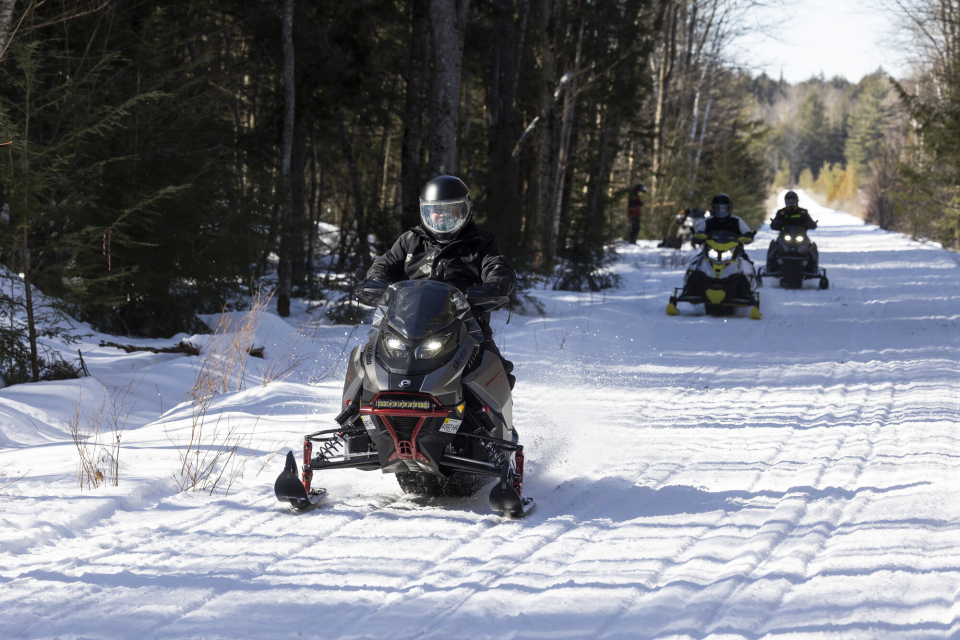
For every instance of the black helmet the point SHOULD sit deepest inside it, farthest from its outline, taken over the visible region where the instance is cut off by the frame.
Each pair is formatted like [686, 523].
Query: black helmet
[640, 189]
[445, 207]
[722, 206]
[791, 199]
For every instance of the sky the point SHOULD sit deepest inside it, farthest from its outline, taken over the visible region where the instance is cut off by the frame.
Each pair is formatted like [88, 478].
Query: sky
[835, 37]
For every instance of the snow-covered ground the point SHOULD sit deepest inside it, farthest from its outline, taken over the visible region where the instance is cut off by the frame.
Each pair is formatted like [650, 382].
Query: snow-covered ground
[697, 477]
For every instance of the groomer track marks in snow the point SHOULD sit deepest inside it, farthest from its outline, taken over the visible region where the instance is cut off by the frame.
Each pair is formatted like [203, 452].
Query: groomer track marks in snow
[697, 478]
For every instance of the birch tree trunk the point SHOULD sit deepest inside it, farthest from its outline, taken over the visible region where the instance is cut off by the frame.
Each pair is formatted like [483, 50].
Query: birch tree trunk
[448, 18]
[284, 271]
[415, 116]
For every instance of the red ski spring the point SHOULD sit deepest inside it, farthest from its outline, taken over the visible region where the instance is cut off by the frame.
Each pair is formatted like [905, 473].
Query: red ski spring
[307, 473]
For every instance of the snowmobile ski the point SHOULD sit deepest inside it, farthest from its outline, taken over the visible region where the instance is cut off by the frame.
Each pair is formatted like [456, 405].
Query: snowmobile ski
[289, 487]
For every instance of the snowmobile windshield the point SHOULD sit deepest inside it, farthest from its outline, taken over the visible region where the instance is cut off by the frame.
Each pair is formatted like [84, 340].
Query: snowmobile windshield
[421, 307]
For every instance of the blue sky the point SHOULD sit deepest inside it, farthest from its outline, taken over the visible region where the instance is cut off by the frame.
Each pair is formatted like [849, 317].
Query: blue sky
[836, 37]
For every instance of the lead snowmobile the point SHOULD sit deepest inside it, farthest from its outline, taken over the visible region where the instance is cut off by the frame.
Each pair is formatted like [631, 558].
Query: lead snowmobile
[793, 258]
[720, 278]
[421, 400]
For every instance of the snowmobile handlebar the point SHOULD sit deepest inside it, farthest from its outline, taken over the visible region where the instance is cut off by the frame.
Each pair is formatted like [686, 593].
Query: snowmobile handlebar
[486, 297]
[369, 292]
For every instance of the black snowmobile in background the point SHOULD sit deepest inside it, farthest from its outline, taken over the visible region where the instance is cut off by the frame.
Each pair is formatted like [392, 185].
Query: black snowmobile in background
[421, 400]
[793, 258]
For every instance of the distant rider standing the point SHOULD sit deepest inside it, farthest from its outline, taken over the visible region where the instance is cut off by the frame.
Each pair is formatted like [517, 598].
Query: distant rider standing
[635, 211]
[448, 246]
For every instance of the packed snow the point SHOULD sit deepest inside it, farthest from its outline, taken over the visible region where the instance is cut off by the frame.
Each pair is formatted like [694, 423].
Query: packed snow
[696, 477]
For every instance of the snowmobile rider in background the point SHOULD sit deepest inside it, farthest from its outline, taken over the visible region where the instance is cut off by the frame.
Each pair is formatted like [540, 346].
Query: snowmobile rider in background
[721, 218]
[635, 211]
[790, 216]
[448, 246]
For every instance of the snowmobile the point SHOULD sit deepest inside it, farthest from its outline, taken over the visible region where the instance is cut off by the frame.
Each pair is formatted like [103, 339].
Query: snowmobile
[793, 258]
[421, 400]
[721, 278]
[681, 229]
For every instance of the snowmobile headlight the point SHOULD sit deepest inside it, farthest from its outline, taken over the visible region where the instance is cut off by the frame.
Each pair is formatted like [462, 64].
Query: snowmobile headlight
[788, 238]
[799, 238]
[395, 347]
[432, 347]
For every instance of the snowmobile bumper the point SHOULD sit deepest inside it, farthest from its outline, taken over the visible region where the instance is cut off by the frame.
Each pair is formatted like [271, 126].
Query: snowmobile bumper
[791, 274]
[418, 444]
[716, 297]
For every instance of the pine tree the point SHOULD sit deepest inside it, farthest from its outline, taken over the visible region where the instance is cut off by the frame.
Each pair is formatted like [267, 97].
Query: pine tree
[868, 125]
[814, 130]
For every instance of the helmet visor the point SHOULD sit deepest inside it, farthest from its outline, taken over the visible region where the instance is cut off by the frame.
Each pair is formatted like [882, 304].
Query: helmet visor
[445, 217]
[792, 201]
[722, 210]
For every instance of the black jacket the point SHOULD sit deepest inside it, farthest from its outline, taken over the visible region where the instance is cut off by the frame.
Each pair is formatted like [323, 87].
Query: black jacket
[473, 258]
[792, 218]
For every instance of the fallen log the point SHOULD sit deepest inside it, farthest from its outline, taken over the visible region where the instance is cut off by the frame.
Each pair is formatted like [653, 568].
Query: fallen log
[183, 347]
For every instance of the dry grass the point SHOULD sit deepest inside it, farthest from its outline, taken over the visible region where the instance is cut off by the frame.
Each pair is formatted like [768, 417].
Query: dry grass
[210, 457]
[98, 437]
[6, 480]
[222, 363]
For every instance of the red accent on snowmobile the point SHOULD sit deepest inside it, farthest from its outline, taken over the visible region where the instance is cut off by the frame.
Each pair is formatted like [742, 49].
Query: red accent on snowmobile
[518, 479]
[405, 449]
[307, 471]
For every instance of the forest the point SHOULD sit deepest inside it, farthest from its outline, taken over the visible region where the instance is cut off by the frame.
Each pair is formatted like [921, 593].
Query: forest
[161, 160]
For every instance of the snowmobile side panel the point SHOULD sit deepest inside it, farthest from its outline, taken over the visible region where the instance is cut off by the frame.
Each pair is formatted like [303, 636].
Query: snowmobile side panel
[355, 374]
[490, 385]
[444, 383]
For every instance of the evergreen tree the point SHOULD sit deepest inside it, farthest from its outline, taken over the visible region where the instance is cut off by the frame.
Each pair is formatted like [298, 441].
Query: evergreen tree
[814, 130]
[868, 125]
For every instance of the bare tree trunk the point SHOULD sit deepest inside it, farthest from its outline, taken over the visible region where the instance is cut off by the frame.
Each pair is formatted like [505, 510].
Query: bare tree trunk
[284, 271]
[6, 21]
[664, 74]
[359, 217]
[538, 236]
[569, 107]
[448, 18]
[415, 116]
[31, 324]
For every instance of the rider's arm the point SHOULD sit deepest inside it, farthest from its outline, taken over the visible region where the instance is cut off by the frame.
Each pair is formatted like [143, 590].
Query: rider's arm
[746, 233]
[809, 222]
[777, 223]
[495, 270]
[389, 267]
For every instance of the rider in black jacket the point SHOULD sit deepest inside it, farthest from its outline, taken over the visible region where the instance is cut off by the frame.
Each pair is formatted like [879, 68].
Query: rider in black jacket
[792, 215]
[449, 246]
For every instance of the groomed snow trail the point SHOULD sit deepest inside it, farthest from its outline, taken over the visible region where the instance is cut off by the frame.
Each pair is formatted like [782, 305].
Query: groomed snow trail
[697, 478]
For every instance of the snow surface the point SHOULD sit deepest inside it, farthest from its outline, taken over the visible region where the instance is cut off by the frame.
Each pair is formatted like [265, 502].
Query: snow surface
[697, 477]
